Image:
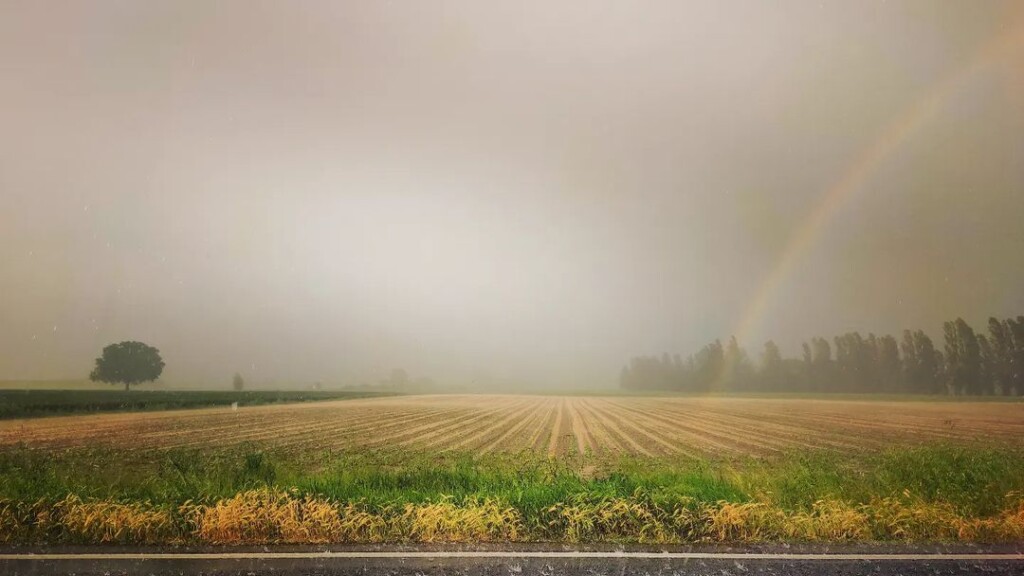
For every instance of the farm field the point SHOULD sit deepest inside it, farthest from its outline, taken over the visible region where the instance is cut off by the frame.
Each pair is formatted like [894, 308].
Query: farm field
[695, 427]
[472, 468]
[46, 402]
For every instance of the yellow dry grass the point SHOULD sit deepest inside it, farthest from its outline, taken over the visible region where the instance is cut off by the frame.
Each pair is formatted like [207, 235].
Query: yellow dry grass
[112, 522]
[269, 516]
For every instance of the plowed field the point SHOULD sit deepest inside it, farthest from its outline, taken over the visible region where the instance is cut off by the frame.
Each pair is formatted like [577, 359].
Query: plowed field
[645, 426]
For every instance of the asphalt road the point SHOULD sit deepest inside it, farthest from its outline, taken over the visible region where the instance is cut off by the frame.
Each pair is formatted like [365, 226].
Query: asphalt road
[513, 562]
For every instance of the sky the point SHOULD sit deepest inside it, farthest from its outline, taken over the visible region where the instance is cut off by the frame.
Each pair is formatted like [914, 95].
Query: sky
[515, 194]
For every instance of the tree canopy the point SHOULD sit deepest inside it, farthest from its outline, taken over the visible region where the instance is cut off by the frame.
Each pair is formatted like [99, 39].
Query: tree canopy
[971, 363]
[128, 363]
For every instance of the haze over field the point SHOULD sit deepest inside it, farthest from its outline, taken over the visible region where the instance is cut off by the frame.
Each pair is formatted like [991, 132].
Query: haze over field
[527, 192]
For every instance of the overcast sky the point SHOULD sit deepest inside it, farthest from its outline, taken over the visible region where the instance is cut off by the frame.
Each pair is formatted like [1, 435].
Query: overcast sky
[525, 192]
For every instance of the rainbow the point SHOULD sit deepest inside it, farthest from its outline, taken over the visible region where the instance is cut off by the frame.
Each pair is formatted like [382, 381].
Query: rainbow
[853, 179]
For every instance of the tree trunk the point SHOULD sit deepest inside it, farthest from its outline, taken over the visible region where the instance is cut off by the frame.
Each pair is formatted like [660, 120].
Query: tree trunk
[125, 386]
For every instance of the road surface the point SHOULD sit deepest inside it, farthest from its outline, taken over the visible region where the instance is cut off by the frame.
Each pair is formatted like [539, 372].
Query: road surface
[512, 562]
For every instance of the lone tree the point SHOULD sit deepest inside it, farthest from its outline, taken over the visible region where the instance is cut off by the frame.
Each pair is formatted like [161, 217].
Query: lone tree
[128, 363]
[237, 382]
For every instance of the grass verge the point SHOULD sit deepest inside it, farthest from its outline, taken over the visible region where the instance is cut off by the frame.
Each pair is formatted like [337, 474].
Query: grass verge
[244, 495]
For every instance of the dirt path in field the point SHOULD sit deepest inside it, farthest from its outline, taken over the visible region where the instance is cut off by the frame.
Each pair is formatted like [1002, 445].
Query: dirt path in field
[556, 428]
[538, 440]
[580, 430]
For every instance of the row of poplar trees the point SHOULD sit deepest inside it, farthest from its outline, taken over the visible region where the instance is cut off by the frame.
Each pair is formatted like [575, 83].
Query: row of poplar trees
[970, 363]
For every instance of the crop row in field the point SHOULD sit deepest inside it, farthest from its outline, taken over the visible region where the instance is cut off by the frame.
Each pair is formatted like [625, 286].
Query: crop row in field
[642, 426]
[48, 402]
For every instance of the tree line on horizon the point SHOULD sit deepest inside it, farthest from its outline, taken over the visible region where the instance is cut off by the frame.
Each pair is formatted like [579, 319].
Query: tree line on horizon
[970, 364]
